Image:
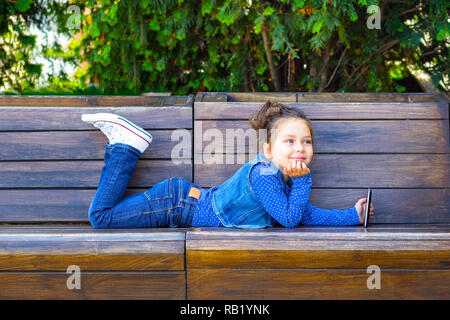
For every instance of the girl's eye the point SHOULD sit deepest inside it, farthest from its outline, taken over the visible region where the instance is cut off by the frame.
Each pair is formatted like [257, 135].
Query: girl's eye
[289, 140]
[308, 141]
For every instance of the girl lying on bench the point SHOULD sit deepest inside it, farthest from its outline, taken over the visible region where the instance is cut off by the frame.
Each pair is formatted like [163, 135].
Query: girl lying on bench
[273, 187]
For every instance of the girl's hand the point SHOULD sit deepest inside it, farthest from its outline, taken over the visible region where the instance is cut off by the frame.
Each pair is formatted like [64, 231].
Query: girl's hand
[296, 169]
[361, 209]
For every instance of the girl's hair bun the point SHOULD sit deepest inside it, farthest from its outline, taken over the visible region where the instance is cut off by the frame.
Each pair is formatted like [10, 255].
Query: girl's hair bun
[269, 112]
[273, 111]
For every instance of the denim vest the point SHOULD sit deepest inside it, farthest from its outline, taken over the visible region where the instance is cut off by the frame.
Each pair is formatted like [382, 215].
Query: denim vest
[236, 204]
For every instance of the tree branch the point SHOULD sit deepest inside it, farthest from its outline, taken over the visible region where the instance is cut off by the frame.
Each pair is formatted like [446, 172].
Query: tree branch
[335, 69]
[273, 71]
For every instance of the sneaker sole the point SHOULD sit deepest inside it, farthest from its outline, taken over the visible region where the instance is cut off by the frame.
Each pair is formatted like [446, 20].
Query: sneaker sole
[112, 118]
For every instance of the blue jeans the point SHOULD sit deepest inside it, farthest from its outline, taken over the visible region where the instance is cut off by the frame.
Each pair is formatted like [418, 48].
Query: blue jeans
[166, 204]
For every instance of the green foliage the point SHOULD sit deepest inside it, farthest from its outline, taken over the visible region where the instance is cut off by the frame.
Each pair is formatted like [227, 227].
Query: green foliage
[218, 45]
[16, 46]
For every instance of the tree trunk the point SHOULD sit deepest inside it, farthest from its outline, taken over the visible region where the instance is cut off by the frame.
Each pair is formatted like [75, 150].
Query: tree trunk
[273, 71]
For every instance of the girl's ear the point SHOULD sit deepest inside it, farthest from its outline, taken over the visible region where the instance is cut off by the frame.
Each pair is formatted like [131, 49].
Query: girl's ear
[267, 151]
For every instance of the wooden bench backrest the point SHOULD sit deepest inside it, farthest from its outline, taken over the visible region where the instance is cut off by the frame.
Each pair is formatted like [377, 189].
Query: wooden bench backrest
[397, 144]
[51, 161]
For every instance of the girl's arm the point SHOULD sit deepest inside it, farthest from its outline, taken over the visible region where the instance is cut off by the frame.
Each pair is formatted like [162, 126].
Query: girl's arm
[287, 209]
[334, 217]
[316, 216]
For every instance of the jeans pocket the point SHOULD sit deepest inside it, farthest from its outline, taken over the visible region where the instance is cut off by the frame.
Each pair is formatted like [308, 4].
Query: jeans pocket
[160, 197]
[161, 190]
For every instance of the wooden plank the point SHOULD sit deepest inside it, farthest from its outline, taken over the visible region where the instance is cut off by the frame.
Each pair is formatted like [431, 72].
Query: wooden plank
[368, 97]
[90, 101]
[99, 285]
[319, 247]
[65, 232]
[344, 170]
[316, 284]
[327, 111]
[69, 118]
[45, 248]
[400, 231]
[321, 96]
[83, 174]
[94, 254]
[327, 252]
[396, 136]
[69, 205]
[391, 205]
[315, 258]
[59, 145]
[246, 96]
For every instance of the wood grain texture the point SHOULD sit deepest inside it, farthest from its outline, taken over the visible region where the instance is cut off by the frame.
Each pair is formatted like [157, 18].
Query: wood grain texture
[316, 256]
[82, 174]
[54, 248]
[400, 231]
[318, 262]
[97, 101]
[333, 110]
[316, 284]
[396, 136]
[92, 255]
[72, 145]
[30, 205]
[99, 285]
[69, 118]
[318, 97]
[391, 205]
[319, 247]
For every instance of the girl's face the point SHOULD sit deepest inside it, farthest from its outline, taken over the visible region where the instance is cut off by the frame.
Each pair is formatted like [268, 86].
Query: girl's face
[293, 141]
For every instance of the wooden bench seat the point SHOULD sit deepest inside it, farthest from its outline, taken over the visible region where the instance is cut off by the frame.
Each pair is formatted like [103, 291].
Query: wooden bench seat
[50, 165]
[397, 144]
[319, 262]
[113, 264]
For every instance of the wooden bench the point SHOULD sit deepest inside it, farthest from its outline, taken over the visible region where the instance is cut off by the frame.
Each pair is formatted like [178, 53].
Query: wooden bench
[397, 144]
[50, 167]
[50, 164]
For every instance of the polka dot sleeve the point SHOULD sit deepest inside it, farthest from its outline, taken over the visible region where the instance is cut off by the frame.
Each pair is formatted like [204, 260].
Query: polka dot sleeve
[285, 207]
[333, 217]
[289, 205]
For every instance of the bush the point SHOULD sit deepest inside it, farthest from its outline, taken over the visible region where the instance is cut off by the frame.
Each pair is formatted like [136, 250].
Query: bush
[302, 45]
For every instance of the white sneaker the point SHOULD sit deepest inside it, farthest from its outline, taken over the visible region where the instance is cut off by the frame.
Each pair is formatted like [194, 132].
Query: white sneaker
[119, 130]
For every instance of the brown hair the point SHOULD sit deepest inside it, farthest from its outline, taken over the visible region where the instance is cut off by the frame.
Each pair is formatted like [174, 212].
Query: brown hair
[269, 116]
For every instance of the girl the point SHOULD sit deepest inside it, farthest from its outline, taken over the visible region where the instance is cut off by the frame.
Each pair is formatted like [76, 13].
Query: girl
[273, 187]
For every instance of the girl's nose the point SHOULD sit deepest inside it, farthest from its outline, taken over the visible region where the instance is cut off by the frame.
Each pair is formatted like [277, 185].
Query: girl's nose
[299, 147]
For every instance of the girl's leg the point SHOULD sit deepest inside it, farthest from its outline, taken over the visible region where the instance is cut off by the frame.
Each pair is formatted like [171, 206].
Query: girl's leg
[171, 203]
[107, 210]
[126, 143]
[167, 204]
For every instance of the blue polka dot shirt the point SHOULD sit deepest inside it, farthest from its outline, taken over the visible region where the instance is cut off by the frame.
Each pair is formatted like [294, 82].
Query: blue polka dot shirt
[287, 202]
